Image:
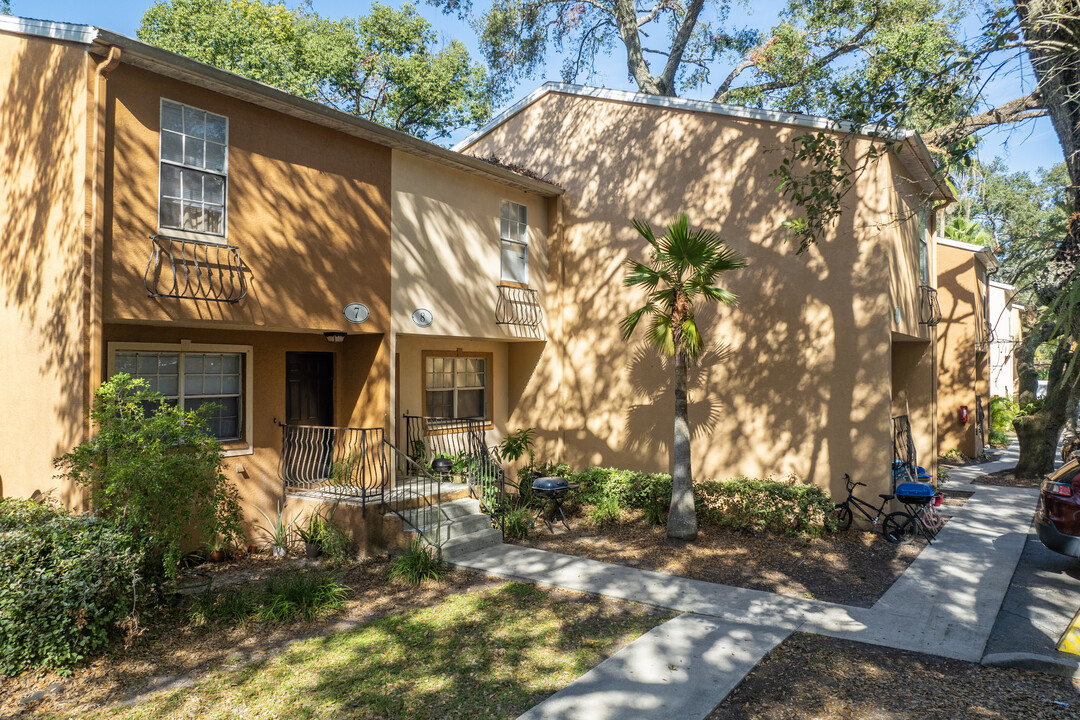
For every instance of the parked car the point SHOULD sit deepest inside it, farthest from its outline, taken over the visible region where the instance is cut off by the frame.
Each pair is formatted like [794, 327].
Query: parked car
[1058, 518]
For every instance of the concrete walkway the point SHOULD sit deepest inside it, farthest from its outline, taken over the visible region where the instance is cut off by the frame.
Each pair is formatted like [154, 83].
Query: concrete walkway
[944, 604]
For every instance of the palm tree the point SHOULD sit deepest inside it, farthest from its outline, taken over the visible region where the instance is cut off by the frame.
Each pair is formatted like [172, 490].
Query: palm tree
[684, 267]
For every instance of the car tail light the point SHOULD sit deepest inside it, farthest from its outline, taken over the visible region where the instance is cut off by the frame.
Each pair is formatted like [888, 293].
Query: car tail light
[1056, 488]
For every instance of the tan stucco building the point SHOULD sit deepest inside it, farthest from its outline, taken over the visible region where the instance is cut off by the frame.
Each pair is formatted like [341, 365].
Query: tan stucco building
[211, 234]
[965, 339]
[824, 350]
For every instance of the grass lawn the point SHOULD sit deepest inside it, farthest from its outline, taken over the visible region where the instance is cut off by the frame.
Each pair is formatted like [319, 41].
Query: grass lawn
[493, 653]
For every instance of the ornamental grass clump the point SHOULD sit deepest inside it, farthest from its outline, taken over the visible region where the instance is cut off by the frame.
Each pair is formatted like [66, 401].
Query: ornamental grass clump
[155, 472]
[67, 582]
[417, 564]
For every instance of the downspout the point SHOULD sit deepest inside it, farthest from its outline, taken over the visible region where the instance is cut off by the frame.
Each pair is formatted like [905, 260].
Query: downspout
[93, 230]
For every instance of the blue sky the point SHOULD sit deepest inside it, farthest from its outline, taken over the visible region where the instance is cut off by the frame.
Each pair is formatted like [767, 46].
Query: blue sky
[1026, 147]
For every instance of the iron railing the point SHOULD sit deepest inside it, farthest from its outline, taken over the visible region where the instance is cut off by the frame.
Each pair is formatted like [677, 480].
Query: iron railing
[929, 307]
[518, 306]
[194, 270]
[336, 460]
[355, 464]
[463, 441]
[905, 460]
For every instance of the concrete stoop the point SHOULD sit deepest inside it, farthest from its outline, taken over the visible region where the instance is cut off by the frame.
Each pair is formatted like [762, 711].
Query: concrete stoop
[463, 528]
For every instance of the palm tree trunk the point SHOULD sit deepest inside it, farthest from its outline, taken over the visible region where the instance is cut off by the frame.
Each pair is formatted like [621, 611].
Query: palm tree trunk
[682, 518]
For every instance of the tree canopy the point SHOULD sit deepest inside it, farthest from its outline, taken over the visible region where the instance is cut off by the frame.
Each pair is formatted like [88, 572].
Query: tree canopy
[384, 66]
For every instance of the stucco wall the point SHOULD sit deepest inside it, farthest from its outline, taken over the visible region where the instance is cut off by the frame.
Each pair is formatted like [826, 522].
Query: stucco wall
[445, 249]
[796, 379]
[958, 375]
[44, 106]
[309, 208]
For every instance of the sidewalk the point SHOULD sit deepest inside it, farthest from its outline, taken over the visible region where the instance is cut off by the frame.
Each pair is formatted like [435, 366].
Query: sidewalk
[944, 604]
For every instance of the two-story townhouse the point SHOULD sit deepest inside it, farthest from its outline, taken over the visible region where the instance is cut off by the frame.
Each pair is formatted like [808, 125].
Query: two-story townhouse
[313, 274]
[965, 340]
[826, 353]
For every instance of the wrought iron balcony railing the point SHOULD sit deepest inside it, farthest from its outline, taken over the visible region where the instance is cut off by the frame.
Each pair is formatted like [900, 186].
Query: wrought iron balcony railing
[929, 308]
[518, 306]
[194, 270]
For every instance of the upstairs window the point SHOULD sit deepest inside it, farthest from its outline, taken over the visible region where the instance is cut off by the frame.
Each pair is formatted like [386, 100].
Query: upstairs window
[194, 170]
[514, 239]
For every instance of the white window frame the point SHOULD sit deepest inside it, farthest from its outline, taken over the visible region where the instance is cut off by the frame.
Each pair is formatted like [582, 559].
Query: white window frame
[232, 448]
[511, 207]
[223, 174]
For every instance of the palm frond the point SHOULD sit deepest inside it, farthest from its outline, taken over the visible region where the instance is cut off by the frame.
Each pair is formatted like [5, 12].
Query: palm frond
[660, 335]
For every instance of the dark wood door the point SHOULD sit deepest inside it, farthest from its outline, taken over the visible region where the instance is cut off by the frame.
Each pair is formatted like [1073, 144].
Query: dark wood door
[309, 388]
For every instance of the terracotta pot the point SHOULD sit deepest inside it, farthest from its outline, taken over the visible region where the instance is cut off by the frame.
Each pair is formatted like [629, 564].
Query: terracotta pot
[217, 556]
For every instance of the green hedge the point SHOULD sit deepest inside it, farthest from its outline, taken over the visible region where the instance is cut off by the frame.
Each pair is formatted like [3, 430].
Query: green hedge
[769, 505]
[65, 582]
[743, 503]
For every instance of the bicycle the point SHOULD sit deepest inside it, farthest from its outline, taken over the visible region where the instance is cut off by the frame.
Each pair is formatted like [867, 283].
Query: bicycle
[920, 518]
[891, 528]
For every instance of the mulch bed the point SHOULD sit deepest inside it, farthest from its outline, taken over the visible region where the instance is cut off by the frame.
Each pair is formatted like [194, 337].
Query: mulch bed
[809, 677]
[170, 648]
[1007, 478]
[851, 568]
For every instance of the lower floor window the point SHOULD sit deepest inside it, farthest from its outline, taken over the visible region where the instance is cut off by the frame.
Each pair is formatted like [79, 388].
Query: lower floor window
[190, 380]
[456, 387]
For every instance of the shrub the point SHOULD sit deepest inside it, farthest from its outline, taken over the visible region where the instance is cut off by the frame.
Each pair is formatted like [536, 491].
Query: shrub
[301, 595]
[155, 471]
[627, 489]
[232, 606]
[605, 512]
[321, 530]
[417, 564]
[516, 523]
[66, 581]
[953, 455]
[942, 474]
[1002, 412]
[768, 505]
[998, 438]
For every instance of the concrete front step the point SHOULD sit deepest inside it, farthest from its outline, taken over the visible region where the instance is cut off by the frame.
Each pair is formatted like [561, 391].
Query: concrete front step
[464, 544]
[464, 529]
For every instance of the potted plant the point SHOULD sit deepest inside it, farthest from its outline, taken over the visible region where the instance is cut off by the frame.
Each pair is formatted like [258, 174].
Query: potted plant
[313, 535]
[459, 467]
[218, 549]
[277, 531]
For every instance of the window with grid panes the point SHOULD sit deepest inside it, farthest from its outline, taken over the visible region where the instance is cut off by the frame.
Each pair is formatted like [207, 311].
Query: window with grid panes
[191, 380]
[514, 240]
[194, 169]
[456, 387]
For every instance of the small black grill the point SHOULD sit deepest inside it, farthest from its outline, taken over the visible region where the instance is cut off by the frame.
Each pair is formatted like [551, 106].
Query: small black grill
[553, 489]
[550, 487]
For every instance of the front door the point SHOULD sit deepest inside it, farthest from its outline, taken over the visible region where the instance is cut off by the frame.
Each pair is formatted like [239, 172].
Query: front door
[309, 410]
[309, 383]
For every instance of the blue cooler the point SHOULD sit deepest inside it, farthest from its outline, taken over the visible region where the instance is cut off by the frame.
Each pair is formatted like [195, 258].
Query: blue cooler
[913, 493]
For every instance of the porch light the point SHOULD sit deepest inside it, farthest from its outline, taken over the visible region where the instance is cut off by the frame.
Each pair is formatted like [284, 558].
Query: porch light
[334, 336]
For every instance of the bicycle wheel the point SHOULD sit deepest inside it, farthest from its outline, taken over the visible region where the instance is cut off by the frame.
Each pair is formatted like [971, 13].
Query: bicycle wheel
[843, 516]
[899, 527]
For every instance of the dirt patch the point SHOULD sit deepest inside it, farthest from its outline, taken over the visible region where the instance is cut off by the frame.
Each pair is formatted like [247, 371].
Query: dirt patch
[809, 677]
[1007, 478]
[170, 650]
[953, 463]
[851, 568]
